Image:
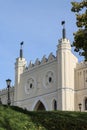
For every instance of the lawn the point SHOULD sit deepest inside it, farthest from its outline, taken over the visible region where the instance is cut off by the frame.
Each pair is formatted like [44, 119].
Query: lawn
[15, 118]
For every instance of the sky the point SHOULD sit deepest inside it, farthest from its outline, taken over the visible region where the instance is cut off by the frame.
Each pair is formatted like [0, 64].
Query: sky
[38, 24]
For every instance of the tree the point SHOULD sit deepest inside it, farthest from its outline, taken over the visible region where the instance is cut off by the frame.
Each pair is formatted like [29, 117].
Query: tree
[80, 37]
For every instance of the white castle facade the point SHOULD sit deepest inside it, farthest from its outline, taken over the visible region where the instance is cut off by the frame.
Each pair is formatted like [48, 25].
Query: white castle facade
[54, 83]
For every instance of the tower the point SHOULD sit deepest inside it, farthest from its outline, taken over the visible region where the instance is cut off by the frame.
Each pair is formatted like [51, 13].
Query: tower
[66, 63]
[20, 65]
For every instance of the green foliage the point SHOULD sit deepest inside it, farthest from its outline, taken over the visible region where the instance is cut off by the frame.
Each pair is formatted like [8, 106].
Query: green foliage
[15, 118]
[80, 37]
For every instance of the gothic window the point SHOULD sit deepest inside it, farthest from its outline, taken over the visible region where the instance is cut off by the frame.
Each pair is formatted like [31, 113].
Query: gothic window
[0, 101]
[86, 80]
[54, 105]
[86, 71]
[86, 104]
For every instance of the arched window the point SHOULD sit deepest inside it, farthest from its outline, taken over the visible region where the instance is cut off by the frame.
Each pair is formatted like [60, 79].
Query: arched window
[86, 104]
[54, 104]
[0, 101]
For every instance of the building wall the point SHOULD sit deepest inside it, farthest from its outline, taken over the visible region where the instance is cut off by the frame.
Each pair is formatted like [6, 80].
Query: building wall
[4, 96]
[66, 65]
[80, 85]
[37, 83]
[46, 80]
[57, 82]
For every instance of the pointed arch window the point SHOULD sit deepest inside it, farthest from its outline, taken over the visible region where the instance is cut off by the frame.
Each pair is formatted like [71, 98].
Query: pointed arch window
[0, 101]
[54, 105]
[86, 104]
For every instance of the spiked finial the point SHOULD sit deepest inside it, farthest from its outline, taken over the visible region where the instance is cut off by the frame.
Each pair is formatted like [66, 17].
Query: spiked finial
[63, 22]
[64, 30]
[21, 51]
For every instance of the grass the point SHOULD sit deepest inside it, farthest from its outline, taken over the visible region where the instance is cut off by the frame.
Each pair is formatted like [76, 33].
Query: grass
[15, 118]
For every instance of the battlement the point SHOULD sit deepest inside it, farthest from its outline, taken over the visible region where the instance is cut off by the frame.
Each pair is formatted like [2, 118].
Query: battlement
[43, 61]
[64, 43]
[81, 65]
[5, 91]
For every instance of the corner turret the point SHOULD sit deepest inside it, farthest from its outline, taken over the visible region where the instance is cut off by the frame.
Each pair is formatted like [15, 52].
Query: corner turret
[64, 43]
[20, 66]
[66, 65]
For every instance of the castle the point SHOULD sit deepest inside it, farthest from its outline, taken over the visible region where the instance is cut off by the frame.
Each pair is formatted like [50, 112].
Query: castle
[54, 83]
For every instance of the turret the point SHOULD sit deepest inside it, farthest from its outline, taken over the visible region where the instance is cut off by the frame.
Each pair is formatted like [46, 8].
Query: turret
[20, 65]
[66, 64]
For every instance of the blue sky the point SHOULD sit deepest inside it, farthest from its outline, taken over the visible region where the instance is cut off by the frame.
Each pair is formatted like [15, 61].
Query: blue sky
[38, 24]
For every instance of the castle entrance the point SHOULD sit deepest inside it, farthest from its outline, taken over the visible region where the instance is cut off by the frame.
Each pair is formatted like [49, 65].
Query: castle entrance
[39, 106]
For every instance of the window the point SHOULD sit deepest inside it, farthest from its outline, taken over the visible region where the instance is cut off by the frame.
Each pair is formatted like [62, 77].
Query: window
[86, 80]
[86, 71]
[0, 101]
[54, 105]
[86, 104]
[31, 85]
[50, 79]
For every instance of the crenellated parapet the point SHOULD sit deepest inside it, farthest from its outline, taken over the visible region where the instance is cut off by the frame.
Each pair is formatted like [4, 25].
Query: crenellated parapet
[81, 65]
[5, 91]
[30, 65]
[43, 61]
[51, 57]
[64, 44]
